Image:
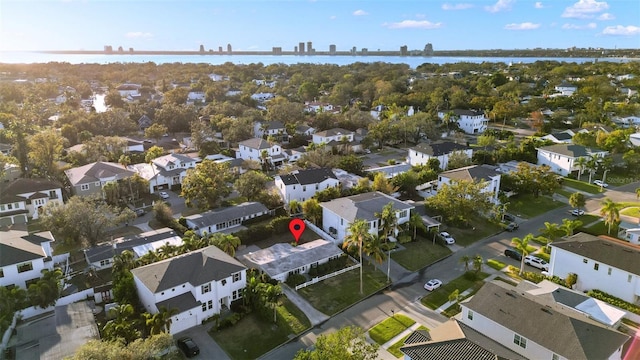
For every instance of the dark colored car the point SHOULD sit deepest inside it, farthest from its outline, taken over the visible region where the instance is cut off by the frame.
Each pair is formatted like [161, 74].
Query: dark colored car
[509, 217]
[512, 253]
[188, 347]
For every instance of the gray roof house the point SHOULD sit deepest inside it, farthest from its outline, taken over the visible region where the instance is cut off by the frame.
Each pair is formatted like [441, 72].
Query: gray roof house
[23, 198]
[23, 256]
[224, 219]
[89, 179]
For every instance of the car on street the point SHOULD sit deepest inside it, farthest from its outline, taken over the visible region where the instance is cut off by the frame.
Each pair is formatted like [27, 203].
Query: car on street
[577, 212]
[188, 347]
[447, 238]
[508, 217]
[513, 253]
[600, 183]
[513, 226]
[536, 262]
[140, 212]
[432, 284]
[164, 195]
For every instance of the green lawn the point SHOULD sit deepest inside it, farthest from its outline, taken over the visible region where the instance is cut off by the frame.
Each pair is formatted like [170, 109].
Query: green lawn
[581, 185]
[496, 264]
[479, 229]
[390, 328]
[631, 211]
[440, 296]
[123, 231]
[598, 228]
[564, 192]
[239, 341]
[419, 253]
[528, 206]
[335, 294]
[395, 348]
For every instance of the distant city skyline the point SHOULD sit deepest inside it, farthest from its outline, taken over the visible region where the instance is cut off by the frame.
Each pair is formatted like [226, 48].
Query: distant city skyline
[27, 25]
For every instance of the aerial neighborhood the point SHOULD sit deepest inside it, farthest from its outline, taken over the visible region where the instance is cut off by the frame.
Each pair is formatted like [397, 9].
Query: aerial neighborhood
[456, 211]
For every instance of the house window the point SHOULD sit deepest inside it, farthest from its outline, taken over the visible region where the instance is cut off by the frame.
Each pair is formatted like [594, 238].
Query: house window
[341, 221]
[555, 357]
[596, 266]
[97, 183]
[520, 341]
[237, 294]
[206, 288]
[585, 261]
[9, 206]
[210, 304]
[470, 315]
[237, 277]
[1, 273]
[304, 188]
[1, 207]
[52, 194]
[609, 271]
[25, 267]
[105, 262]
[403, 213]
[204, 307]
[84, 187]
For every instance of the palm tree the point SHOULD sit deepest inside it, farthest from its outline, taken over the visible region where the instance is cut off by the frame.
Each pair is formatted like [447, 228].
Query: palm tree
[294, 207]
[270, 294]
[374, 247]
[225, 242]
[123, 261]
[465, 259]
[568, 226]
[638, 193]
[522, 244]
[592, 165]
[477, 263]
[610, 212]
[122, 326]
[581, 163]
[415, 221]
[358, 234]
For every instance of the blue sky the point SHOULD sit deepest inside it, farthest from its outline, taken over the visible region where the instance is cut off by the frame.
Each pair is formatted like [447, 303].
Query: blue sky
[262, 24]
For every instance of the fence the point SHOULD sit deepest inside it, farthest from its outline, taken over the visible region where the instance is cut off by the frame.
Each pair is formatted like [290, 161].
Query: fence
[324, 277]
[319, 231]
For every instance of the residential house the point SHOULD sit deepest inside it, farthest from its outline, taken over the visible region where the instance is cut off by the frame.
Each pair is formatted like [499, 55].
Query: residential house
[144, 122]
[317, 106]
[635, 139]
[561, 137]
[469, 121]
[91, 178]
[347, 179]
[602, 263]
[274, 129]
[233, 92]
[474, 173]
[254, 148]
[23, 256]
[24, 198]
[101, 257]
[196, 97]
[539, 328]
[295, 154]
[217, 77]
[301, 185]
[305, 130]
[339, 214]
[127, 90]
[563, 158]
[283, 259]
[5, 149]
[225, 219]
[629, 229]
[165, 172]
[11, 172]
[565, 88]
[198, 285]
[262, 97]
[268, 83]
[337, 137]
[390, 171]
[441, 150]
[628, 121]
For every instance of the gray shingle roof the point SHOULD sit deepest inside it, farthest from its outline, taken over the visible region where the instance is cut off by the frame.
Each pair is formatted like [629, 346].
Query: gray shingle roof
[256, 143]
[104, 252]
[196, 268]
[616, 253]
[23, 186]
[18, 246]
[571, 150]
[439, 148]
[471, 173]
[550, 327]
[460, 112]
[182, 302]
[234, 212]
[309, 176]
[96, 171]
[363, 206]
[333, 132]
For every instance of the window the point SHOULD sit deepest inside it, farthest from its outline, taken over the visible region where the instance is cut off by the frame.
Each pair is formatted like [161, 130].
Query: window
[520, 341]
[1, 273]
[204, 307]
[596, 266]
[470, 315]
[2, 207]
[585, 261]
[237, 277]
[105, 262]
[25, 267]
[97, 183]
[609, 271]
[9, 206]
[304, 188]
[629, 278]
[206, 288]
[237, 294]
[52, 194]
[210, 304]
[403, 213]
[555, 357]
[84, 187]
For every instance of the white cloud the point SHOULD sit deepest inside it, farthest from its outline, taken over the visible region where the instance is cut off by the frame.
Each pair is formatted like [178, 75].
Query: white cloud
[538, 5]
[413, 24]
[138, 34]
[579, 27]
[606, 16]
[360, 13]
[621, 30]
[522, 26]
[585, 9]
[332, 17]
[462, 6]
[499, 6]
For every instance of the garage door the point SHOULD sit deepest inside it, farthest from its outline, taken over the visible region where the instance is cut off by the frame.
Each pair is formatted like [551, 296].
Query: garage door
[183, 322]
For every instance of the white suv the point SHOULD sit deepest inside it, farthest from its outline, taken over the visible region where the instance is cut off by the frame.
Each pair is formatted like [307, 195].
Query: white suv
[536, 262]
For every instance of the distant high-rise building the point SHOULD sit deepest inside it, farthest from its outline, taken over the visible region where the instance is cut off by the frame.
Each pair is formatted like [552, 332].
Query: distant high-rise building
[332, 49]
[403, 50]
[201, 48]
[364, 51]
[309, 47]
[428, 49]
[219, 48]
[295, 49]
[229, 48]
[353, 50]
[130, 50]
[301, 48]
[108, 48]
[276, 50]
[120, 49]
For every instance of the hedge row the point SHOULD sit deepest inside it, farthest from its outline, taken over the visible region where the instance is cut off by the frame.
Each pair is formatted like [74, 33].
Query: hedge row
[615, 301]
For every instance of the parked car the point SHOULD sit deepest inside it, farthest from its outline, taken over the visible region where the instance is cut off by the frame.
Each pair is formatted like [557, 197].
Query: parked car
[164, 195]
[600, 183]
[577, 212]
[536, 262]
[188, 347]
[140, 212]
[508, 217]
[432, 284]
[513, 253]
[513, 226]
[447, 238]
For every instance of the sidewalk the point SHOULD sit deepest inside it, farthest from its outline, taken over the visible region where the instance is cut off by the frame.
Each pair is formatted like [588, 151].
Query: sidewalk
[315, 316]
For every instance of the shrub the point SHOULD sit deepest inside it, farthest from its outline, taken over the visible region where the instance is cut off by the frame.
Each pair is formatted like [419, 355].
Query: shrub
[295, 279]
[470, 275]
[495, 264]
[533, 277]
[615, 301]
[280, 224]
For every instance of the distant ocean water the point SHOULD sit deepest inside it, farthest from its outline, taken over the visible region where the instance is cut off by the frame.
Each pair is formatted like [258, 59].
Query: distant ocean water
[412, 61]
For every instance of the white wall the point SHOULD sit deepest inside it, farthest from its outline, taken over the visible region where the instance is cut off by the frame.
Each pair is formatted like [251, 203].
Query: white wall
[559, 164]
[302, 192]
[12, 277]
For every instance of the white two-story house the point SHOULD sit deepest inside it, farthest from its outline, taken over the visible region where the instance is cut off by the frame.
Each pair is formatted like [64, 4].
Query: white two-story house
[274, 129]
[565, 88]
[339, 214]
[301, 185]
[602, 263]
[165, 171]
[441, 150]
[23, 199]
[198, 284]
[91, 178]
[23, 256]
[253, 149]
[336, 135]
[476, 174]
[563, 158]
[469, 121]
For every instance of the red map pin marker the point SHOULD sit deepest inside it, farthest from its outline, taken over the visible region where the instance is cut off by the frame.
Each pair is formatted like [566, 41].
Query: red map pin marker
[296, 226]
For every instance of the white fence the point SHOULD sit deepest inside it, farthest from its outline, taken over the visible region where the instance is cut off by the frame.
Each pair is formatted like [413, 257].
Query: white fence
[319, 231]
[324, 277]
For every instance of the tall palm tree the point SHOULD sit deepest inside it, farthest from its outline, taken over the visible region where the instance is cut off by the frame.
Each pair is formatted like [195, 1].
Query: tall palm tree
[270, 294]
[638, 193]
[122, 326]
[374, 247]
[611, 213]
[477, 263]
[522, 244]
[592, 165]
[124, 261]
[358, 233]
[415, 222]
[294, 207]
[569, 226]
[225, 242]
[465, 259]
[581, 163]
[551, 231]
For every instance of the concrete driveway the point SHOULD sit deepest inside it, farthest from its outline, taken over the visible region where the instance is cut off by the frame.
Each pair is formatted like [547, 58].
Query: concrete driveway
[209, 349]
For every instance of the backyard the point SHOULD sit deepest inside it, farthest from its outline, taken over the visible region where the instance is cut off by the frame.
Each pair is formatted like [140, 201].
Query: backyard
[528, 206]
[419, 254]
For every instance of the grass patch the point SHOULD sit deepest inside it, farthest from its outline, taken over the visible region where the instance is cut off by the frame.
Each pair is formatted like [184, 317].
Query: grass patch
[295, 317]
[598, 228]
[34, 226]
[451, 311]
[123, 231]
[188, 211]
[529, 206]
[440, 296]
[581, 185]
[155, 224]
[564, 192]
[335, 294]
[496, 264]
[631, 211]
[395, 348]
[479, 228]
[390, 328]
[419, 253]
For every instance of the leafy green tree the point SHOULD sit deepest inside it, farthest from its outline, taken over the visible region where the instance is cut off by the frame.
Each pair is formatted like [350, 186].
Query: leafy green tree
[351, 163]
[457, 160]
[477, 263]
[358, 234]
[569, 226]
[382, 184]
[348, 343]
[155, 131]
[177, 96]
[225, 242]
[522, 245]
[251, 184]
[46, 291]
[577, 200]
[206, 184]
[140, 349]
[45, 149]
[458, 200]
[159, 322]
[270, 295]
[465, 259]
[123, 326]
[154, 152]
[312, 210]
[536, 180]
[415, 222]
[124, 288]
[611, 212]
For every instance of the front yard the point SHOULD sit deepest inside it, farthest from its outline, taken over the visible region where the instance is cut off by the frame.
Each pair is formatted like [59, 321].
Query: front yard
[528, 206]
[581, 185]
[478, 229]
[419, 254]
[440, 296]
